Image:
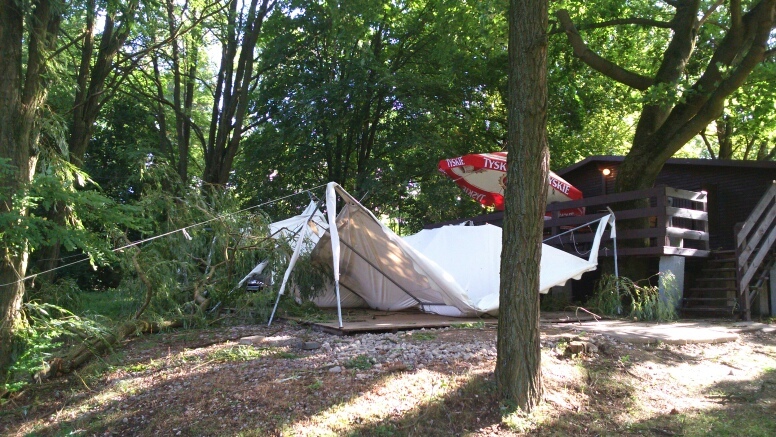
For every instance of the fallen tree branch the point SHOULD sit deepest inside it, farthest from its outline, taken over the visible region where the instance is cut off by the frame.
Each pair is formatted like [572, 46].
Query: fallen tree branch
[95, 346]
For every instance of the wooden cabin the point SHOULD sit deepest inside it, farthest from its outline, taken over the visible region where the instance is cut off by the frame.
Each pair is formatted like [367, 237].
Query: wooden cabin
[725, 257]
[711, 223]
[733, 188]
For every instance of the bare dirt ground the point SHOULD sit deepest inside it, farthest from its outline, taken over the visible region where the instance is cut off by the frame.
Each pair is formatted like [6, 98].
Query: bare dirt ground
[432, 382]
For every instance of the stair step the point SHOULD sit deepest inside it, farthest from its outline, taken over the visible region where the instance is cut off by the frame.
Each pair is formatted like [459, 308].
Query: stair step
[723, 252]
[715, 279]
[719, 309]
[710, 289]
[708, 299]
[721, 260]
[719, 269]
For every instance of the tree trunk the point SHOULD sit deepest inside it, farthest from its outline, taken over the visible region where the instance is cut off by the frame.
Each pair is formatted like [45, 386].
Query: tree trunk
[233, 85]
[20, 100]
[518, 365]
[89, 98]
[664, 126]
[95, 346]
[11, 297]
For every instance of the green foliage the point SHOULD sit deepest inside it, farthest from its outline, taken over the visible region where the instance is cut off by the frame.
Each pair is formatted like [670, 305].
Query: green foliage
[360, 362]
[423, 336]
[237, 353]
[92, 218]
[46, 329]
[621, 296]
[307, 310]
[608, 296]
[372, 96]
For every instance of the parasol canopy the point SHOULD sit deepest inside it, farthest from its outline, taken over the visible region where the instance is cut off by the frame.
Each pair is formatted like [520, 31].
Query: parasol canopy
[483, 176]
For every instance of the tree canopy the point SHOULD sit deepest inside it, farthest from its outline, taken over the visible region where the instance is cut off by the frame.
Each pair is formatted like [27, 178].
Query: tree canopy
[118, 119]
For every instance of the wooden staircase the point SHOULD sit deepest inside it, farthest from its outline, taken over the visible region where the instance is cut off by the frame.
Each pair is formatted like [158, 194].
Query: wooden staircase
[730, 281]
[756, 251]
[714, 291]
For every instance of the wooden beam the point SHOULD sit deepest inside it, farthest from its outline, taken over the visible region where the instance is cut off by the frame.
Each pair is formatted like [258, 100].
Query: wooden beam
[754, 238]
[752, 268]
[700, 197]
[687, 234]
[687, 213]
[768, 197]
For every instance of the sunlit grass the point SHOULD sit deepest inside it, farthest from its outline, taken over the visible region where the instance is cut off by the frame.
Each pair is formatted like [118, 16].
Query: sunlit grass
[393, 397]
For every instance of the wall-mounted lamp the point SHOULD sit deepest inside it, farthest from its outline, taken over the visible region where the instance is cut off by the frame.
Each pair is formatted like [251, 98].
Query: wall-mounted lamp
[605, 172]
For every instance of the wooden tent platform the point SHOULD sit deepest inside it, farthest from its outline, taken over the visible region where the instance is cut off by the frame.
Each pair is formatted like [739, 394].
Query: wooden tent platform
[361, 321]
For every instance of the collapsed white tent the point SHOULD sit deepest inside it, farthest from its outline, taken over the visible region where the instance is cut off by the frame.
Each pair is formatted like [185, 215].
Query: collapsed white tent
[453, 270]
[302, 231]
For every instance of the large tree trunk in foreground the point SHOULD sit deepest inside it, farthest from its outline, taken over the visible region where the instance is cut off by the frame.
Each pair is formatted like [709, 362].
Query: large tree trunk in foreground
[518, 365]
[21, 97]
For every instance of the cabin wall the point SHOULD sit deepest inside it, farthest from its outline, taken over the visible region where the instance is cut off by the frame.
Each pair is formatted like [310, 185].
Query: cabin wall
[733, 190]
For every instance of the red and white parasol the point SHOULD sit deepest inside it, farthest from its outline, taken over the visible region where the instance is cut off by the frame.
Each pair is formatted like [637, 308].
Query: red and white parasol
[483, 176]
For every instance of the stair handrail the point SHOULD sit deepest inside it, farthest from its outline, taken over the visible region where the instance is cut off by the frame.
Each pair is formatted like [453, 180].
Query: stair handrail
[754, 240]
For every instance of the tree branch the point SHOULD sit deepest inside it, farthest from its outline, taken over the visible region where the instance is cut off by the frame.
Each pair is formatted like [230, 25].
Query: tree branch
[619, 22]
[597, 62]
[708, 145]
[709, 12]
[707, 97]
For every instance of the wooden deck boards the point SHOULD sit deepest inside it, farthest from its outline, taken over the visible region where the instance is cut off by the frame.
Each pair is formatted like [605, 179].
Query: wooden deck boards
[363, 321]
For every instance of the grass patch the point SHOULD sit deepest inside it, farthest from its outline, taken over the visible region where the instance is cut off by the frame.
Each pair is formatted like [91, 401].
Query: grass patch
[423, 336]
[284, 355]
[361, 362]
[237, 353]
[307, 311]
[469, 325]
[749, 422]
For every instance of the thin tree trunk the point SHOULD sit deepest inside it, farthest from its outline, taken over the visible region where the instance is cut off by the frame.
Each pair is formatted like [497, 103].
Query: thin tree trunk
[20, 100]
[12, 268]
[233, 85]
[518, 364]
[88, 102]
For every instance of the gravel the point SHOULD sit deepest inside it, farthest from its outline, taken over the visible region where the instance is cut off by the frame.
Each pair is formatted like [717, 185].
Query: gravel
[336, 352]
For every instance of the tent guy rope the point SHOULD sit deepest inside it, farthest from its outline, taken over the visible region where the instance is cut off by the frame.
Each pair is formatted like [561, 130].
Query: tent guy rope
[182, 230]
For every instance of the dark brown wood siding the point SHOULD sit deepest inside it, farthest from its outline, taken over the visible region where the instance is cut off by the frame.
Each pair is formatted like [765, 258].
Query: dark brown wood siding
[733, 189]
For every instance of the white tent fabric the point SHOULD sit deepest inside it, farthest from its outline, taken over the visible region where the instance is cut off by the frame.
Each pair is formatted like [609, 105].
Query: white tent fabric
[289, 228]
[451, 270]
[303, 231]
[379, 267]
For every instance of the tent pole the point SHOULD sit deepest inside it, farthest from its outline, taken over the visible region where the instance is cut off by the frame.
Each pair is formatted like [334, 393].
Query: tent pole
[273, 310]
[613, 235]
[616, 271]
[302, 234]
[339, 304]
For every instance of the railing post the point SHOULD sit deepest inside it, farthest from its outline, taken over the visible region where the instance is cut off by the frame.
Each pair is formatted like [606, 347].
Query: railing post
[555, 230]
[662, 216]
[705, 224]
[743, 295]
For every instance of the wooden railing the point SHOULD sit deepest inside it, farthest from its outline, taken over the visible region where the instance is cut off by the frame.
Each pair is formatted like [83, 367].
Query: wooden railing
[755, 240]
[665, 220]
